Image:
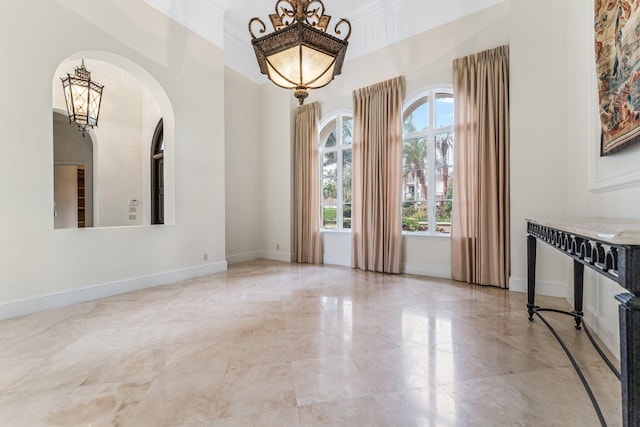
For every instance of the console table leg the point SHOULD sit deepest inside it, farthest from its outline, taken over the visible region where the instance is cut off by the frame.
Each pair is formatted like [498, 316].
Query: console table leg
[578, 292]
[629, 312]
[531, 275]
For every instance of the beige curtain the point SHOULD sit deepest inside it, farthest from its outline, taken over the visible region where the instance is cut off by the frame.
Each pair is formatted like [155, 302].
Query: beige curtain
[480, 224]
[307, 245]
[377, 177]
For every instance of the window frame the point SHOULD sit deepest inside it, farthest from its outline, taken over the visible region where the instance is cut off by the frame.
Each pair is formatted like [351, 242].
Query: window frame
[157, 175]
[430, 135]
[340, 147]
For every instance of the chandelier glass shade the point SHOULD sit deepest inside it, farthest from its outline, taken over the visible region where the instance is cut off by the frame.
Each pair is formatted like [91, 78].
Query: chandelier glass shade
[83, 98]
[299, 54]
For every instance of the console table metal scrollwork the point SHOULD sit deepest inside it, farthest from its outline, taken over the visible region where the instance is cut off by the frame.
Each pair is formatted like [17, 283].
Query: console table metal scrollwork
[612, 249]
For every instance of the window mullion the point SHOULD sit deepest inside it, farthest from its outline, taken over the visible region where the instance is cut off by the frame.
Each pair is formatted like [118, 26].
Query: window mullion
[431, 180]
[431, 183]
[339, 172]
[339, 192]
[320, 193]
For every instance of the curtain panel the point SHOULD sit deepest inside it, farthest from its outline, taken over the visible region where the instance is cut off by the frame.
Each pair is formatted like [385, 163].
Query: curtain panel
[307, 243]
[377, 177]
[480, 250]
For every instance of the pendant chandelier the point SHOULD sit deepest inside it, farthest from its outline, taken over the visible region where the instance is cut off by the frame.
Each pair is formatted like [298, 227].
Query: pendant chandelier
[83, 97]
[299, 54]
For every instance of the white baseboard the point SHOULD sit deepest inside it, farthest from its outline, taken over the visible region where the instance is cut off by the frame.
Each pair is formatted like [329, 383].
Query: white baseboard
[250, 256]
[337, 260]
[428, 270]
[102, 290]
[608, 336]
[276, 256]
[552, 289]
[246, 256]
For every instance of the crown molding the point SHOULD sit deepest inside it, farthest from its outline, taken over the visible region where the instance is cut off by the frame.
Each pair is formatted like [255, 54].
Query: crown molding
[239, 55]
[376, 24]
[382, 23]
[204, 17]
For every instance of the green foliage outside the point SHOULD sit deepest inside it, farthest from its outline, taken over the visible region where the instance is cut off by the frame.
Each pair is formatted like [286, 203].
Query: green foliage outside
[346, 216]
[329, 190]
[329, 216]
[410, 224]
[414, 217]
[446, 206]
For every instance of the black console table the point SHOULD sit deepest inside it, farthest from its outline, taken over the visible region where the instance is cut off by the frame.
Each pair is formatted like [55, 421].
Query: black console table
[612, 249]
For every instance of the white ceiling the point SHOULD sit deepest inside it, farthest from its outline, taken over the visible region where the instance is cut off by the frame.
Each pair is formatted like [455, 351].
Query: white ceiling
[376, 23]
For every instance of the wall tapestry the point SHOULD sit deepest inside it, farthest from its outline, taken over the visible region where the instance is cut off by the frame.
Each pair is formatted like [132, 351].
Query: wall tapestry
[617, 44]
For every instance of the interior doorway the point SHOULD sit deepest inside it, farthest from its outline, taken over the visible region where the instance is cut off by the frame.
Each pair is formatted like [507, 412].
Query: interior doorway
[73, 175]
[69, 196]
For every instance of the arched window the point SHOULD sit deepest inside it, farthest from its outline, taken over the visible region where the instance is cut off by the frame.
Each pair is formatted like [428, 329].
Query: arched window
[335, 169]
[157, 176]
[427, 164]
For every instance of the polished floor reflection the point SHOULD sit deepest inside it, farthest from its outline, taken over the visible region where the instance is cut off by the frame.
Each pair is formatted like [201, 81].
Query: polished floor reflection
[277, 344]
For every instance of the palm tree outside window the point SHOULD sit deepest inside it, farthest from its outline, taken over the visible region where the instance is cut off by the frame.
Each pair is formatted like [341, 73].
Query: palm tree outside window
[335, 169]
[427, 168]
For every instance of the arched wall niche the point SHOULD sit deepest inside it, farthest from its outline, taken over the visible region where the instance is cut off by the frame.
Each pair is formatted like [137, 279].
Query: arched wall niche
[132, 104]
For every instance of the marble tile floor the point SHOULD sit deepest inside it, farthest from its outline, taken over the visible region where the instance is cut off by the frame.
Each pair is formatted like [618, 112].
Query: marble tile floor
[278, 344]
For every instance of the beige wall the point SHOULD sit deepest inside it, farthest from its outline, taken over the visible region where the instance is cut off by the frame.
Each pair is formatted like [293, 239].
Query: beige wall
[245, 168]
[605, 187]
[276, 185]
[538, 103]
[70, 265]
[258, 119]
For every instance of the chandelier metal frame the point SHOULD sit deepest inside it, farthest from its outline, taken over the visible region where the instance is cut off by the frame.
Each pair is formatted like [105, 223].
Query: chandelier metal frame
[83, 98]
[300, 23]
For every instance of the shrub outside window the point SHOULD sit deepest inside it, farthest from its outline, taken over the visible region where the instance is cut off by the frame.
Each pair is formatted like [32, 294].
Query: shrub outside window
[427, 162]
[335, 168]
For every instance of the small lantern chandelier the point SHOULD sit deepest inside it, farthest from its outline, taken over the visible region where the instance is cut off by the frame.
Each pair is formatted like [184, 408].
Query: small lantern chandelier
[83, 98]
[300, 54]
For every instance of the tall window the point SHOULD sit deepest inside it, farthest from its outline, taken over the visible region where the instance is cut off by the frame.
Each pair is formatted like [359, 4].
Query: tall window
[427, 169]
[157, 175]
[335, 157]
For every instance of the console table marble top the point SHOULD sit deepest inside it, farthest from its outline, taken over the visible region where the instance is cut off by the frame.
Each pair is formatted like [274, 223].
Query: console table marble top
[614, 231]
[585, 240]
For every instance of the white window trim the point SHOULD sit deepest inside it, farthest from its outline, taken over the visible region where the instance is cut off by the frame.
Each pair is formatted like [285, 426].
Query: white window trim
[339, 149]
[430, 134]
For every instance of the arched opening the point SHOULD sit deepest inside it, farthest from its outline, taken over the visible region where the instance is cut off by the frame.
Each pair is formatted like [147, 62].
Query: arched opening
[126, 188]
